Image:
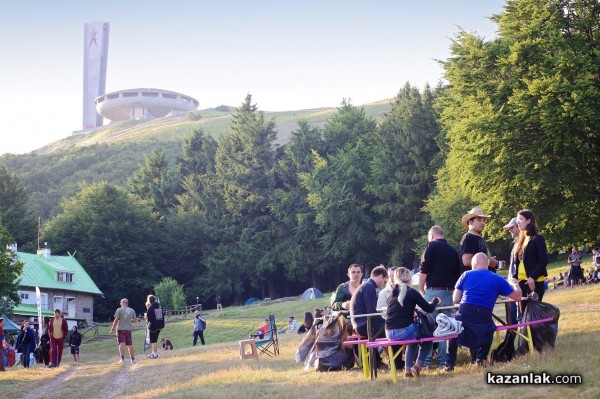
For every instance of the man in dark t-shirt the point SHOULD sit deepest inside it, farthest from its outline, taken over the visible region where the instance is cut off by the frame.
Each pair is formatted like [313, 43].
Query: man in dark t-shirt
[472, 242]
[576, 272]
[440, 269]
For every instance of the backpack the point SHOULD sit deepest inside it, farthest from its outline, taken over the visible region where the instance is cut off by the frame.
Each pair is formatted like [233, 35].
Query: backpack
[328, 353]
[203, 324]
[425, 324]
[160, 320]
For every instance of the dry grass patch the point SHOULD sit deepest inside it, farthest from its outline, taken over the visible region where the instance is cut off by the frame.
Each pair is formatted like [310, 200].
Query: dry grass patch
[215, 371]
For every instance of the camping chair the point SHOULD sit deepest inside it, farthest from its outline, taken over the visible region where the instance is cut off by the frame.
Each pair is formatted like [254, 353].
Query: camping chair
[269, 346]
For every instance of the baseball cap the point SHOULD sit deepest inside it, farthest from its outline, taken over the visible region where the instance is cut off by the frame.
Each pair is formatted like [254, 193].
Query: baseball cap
[510, 224]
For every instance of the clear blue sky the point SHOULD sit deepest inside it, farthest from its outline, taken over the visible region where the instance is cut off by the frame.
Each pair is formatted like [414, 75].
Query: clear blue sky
[288, 55]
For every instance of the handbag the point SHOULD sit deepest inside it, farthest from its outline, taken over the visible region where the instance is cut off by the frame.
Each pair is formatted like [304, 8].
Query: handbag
[424, 324]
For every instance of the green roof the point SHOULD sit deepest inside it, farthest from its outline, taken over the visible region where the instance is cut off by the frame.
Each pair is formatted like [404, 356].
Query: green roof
[26, 309]
[41, 272]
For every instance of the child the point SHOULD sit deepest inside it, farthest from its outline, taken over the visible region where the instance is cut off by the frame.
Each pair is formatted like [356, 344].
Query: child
[74, 343]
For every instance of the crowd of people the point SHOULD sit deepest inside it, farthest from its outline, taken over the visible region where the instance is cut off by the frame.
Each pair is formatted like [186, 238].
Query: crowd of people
[447, 277]
[47, 348]
[467, 278]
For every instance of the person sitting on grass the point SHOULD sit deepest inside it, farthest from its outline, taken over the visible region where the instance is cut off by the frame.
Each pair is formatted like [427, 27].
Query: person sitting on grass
[591, 277]
[292, 324]
[307, 323]
[319, 316]
[566, 278]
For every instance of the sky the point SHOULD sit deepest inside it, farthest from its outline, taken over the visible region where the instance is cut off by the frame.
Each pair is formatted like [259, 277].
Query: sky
[287, 55]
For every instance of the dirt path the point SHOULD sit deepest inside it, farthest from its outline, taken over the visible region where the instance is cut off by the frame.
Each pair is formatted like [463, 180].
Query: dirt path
[66, 384]
[53, 385]
[116, 386]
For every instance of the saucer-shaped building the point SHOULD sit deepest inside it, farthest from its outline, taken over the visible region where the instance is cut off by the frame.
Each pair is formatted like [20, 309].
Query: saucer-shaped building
[142, 104]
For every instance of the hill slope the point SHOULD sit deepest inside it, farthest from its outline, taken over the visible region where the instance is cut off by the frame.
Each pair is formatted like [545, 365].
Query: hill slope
[214, 122]
[113, 153]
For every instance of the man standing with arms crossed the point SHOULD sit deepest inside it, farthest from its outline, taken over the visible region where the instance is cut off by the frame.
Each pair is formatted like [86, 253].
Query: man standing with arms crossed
[472, 242]
[124, 317]
[439, 271]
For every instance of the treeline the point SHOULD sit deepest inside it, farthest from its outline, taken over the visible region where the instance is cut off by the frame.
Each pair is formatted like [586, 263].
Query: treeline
[515, 126]
[246, 217]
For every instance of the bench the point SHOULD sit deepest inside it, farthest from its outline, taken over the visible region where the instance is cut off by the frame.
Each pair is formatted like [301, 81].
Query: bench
[363, 356]
[527, 337]
[384, 342]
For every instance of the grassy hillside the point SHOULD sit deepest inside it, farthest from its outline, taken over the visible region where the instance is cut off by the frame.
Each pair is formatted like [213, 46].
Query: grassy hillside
[215, 370]
[113, 153]
[215, 123]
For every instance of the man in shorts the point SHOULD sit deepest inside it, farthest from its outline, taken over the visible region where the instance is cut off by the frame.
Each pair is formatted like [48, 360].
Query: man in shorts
[124, 318]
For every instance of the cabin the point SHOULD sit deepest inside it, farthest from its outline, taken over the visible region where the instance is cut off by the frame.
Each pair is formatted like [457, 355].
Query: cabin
[63, 284]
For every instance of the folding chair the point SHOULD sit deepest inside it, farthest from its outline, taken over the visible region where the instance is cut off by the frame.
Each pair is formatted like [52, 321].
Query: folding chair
[269, 346]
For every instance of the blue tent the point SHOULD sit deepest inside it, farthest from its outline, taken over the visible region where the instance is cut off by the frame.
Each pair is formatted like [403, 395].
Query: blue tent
[9, 326]
[250, 301]
[311, 293]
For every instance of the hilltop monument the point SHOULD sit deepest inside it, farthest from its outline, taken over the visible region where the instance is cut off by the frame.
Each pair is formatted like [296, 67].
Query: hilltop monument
[95, 55]
[124, 104]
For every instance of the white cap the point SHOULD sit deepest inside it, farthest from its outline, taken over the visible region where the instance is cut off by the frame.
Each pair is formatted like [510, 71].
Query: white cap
[510, 224]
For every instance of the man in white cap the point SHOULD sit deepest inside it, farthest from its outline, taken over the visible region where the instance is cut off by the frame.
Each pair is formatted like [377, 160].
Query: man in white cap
[513, 229]
[472, 242]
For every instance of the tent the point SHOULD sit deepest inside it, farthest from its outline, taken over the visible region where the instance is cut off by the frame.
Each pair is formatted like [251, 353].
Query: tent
[311, 293]
[250, 301]
[9, 326]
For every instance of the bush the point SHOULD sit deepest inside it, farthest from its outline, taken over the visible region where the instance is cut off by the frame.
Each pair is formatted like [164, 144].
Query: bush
[170, 294]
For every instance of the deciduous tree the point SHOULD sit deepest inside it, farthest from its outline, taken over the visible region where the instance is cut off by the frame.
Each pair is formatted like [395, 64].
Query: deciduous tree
[115, 235]
[10, 272]
[522, 114]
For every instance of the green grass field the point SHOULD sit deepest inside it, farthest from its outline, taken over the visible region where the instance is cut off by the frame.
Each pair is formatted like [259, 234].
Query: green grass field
[215, 370]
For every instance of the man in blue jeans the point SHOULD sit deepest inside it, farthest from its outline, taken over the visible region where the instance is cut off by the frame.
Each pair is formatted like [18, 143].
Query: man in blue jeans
[439, 271]
[513, 229]
[476, 291]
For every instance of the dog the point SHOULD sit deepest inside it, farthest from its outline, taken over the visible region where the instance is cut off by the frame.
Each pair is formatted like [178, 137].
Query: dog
[166, 344]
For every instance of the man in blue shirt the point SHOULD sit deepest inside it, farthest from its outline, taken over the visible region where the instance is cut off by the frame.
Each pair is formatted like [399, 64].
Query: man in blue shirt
[364, 301]
[476, 291]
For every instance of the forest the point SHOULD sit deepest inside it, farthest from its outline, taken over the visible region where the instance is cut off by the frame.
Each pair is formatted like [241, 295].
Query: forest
[515, 125]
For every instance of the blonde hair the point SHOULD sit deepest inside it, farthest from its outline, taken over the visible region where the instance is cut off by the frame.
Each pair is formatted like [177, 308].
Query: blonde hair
[401, 279]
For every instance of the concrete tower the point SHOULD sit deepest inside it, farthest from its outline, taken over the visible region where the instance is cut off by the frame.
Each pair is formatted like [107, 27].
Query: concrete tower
[95, 55]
